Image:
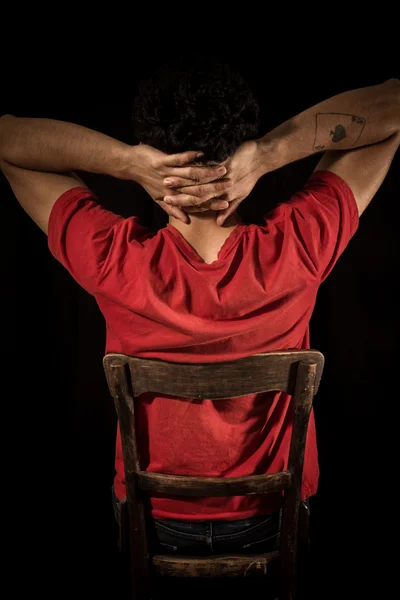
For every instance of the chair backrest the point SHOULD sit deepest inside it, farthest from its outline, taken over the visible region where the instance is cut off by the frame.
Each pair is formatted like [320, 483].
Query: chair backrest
[296, 372]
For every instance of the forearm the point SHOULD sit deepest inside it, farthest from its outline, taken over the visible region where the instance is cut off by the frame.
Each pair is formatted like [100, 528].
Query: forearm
[56, 146]
[349, 120]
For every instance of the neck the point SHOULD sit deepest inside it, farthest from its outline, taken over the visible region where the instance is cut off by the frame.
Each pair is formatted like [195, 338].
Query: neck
[205, 224]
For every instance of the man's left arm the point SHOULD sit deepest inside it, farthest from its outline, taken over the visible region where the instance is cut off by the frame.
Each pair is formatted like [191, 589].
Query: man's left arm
[37, 155]
[37, 192]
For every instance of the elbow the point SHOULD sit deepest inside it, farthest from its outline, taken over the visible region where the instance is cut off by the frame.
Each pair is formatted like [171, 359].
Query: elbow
[4, 136]
[5, 118]
[3, 165]
[392, 91]
[3, 121]
[392, 104]
[393, 82]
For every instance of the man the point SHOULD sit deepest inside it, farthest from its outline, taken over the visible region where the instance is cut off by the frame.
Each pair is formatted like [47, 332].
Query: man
[208, 287]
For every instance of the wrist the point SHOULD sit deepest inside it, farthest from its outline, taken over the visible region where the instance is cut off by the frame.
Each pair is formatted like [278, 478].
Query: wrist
[120, 162]
[133, 163]
[272, 152]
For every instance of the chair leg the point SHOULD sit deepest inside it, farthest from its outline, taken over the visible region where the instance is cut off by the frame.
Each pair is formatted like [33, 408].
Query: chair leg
[141, 589]
[123, 526]
[138, 555]
[140, 581]
[304, 526]
[295, 552]
[288, 549]
[303, 564]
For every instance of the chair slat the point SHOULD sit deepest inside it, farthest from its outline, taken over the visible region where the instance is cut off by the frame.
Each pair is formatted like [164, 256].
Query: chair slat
[250, 375]
[234, 565]
[179, 485]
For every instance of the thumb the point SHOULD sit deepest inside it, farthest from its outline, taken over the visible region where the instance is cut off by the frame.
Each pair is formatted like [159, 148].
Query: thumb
[174, 211]
[179, 160]
[227, 212]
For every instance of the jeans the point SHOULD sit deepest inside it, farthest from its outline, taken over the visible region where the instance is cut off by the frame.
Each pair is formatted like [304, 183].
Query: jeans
[254, 535]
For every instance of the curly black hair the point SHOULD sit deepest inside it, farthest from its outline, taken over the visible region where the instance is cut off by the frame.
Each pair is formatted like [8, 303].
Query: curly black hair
[201, 104]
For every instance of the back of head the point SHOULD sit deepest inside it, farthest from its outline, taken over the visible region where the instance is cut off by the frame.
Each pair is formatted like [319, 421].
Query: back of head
[197, 104]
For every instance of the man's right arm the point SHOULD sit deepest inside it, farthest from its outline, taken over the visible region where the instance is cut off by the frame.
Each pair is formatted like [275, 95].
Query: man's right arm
[363, 124]
[363, 169]
[362, 118]
[349, 120]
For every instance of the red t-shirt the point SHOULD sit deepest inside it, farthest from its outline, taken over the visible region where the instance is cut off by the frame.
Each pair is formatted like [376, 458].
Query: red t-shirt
[161, 300]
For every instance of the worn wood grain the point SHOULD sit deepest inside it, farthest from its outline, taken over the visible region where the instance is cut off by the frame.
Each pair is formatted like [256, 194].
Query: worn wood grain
[180, 485]
[304, 394]
[297, 372]
[118, 378]
[234, 565]
[251, 375]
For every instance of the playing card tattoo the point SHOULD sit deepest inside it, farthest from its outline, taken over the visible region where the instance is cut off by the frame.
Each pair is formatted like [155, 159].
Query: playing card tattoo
[335, 127]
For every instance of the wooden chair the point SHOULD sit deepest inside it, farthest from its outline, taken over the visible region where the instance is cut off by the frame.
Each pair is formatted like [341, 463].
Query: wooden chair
[297, 373]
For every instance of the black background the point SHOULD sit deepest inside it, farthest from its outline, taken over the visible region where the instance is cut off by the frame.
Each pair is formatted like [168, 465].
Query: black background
[58, 418]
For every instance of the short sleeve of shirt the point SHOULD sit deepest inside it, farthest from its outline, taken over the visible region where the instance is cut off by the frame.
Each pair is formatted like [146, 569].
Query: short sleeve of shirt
[85, 238]
[323, 217]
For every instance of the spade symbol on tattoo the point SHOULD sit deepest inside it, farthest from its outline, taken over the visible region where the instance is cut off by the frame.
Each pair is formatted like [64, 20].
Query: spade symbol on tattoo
[339, 133]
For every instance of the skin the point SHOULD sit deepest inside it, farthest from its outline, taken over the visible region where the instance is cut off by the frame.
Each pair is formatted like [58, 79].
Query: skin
[37, 156]
[358, 131]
